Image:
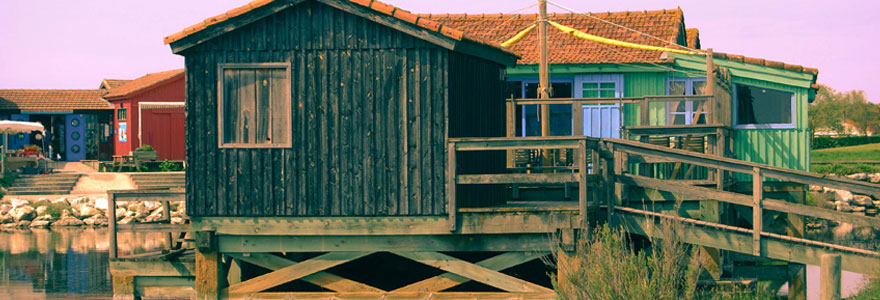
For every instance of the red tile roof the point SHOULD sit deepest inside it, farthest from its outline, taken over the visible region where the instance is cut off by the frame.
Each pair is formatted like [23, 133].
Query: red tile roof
[113, 83]
[668, 25]
[693, 38]
[377, 6]
[52, 100]
[766, 63]
[137, 85]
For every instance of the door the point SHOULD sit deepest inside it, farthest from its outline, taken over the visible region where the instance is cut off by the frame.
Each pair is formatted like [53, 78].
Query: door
[600, 120]
[76, 139]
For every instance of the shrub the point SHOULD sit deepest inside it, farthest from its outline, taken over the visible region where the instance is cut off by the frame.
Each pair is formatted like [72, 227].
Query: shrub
[145, 148]
[822, 142]
[53, 209]
[170, 166]
[845, 169]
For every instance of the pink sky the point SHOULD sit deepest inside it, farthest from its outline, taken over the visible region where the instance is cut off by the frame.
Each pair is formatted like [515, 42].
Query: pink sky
[75, 44]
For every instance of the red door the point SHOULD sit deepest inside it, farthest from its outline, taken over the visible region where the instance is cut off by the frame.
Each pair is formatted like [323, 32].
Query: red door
[163, 128]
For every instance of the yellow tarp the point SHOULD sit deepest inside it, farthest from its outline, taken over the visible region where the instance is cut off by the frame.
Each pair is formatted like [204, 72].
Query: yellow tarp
[577, 33]
[519, 36]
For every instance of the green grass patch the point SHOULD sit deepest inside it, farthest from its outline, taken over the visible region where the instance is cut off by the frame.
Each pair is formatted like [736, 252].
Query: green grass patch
[53, 209]
[851, 153]
[845, 169]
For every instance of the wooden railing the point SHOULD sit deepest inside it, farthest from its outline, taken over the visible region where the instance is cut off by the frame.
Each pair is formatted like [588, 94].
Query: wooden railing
[579, 173]
[756, 201]
[163, 196]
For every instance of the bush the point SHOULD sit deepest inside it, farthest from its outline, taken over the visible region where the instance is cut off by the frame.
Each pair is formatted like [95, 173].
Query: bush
[607, 267]
[145, 148]
[53, 209]
[823, 142]
[845, 169]
[170, 166]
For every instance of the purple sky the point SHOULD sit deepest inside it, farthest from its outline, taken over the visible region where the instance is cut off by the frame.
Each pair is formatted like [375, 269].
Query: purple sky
[75, 44]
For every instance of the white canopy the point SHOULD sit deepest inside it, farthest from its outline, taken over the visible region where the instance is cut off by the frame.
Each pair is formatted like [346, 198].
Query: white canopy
[20, 126]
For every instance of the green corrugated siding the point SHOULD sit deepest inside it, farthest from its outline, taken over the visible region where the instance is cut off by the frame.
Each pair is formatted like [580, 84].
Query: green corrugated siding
[644, 84]
[788, 148]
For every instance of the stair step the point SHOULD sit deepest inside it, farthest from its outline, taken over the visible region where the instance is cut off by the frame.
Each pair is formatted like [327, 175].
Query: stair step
[49, 187]
[40, 192]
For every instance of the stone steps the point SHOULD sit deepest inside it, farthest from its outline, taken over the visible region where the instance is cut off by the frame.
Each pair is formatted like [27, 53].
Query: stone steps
[158, 180]
[49, 184]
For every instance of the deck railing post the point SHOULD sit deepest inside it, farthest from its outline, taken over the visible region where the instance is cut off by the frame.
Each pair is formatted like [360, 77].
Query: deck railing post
[582, 181]
[169, 238]
[643, 112]
[829, 277]
[111, 216]
[450, 186]
[757, 210]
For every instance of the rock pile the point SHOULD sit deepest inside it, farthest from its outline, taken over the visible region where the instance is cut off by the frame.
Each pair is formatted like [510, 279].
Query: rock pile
[81, 211]
[846, 201]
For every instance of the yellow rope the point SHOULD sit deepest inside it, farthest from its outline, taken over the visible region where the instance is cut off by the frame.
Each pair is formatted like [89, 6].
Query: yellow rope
[519, 36]
[577, 33]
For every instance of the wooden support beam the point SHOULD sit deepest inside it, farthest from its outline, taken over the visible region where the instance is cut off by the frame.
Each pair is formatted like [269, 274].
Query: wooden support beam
[208, 267]
[405, 296]
[451, 207]
[797, 280]
[123, 286]
[323, 279]
[757, 210]
[521, 178]
[294, 272]
[474, 272]
[582, 182]
[448, 280]
[829, 277]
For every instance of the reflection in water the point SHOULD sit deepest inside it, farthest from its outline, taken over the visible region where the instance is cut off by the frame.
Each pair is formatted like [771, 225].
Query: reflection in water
[63, 263]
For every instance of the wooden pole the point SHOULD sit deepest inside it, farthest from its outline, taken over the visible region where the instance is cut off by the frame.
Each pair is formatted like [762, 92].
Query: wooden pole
[111, 217]
[543, 68]
[757, 210]
[829, 277]
[208, 266]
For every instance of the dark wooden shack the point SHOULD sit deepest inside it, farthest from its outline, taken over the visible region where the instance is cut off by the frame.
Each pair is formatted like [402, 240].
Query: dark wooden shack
[332, 108]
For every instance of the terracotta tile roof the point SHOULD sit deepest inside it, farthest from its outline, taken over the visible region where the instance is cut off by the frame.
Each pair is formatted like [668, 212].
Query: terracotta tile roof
[113, 83]
[693, 38]
[377, 6]
[766, 63]
[52, 100]
[134, 86]
[668, 25]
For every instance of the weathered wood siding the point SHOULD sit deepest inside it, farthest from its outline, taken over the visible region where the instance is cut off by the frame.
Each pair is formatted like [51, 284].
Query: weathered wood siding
[368, 115]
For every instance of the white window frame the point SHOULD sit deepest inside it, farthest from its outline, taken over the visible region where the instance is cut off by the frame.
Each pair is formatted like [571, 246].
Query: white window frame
[763, 126]
[220, 121]
[689, 105]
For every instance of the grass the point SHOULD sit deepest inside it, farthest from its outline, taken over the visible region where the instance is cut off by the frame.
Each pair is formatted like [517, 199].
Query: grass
[851, 153]
[53, 209]
[607, 266]
[845, 169]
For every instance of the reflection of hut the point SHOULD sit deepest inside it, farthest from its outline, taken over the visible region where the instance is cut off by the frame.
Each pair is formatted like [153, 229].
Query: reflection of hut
[76, 121]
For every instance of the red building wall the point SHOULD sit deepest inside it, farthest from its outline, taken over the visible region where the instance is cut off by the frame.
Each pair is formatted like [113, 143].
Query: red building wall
[158, 124]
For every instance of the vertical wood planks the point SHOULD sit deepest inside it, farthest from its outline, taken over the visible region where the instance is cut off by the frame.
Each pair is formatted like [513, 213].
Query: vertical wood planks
[757, 210]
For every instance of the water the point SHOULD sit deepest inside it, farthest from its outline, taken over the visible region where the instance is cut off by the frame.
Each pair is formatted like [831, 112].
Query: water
[63, 263]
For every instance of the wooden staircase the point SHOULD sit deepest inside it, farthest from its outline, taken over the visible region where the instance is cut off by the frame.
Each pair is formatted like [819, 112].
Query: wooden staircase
[49, 184]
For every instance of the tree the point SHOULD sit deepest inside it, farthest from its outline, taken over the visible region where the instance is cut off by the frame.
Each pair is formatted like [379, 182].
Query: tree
[835, 110]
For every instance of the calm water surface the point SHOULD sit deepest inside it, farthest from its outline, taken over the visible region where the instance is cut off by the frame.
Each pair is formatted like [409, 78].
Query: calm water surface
[63, 263]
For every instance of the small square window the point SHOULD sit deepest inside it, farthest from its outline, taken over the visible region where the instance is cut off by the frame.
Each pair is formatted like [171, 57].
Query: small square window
[254, 105]
[763, 107]
[591, 85]
[607, 85]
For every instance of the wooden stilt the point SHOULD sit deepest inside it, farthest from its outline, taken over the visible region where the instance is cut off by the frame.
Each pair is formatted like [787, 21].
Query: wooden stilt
[829, 277]
[123, 287]
[208, 266]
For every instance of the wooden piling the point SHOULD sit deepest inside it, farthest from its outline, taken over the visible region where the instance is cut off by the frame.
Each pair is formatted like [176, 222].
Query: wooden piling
[208, 266]
[829, 277]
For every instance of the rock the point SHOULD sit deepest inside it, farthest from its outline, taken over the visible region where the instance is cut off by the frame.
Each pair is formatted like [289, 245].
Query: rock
[864, 233]
[23, 213]
[23, 224]
[66, 213]
[68, 221]
[6, 219]
[816, 188]
[816, 225]
[87, 211]
[40, 224]
[843, 232]
[874, 178]
[860, 209]
[96, 220]
[844, 207]
[843, 196]
[176, 220]
[126, 220]
[42, 210]
[862, 200]
[61, 200]
[18, 202]
[102, 204]
[5, 208]
[876, 203]
[152, 205]
[120, 213]
[858, 176]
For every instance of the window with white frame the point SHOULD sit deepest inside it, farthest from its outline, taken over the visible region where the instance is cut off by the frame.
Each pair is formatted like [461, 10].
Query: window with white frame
[254, 105]
[758, 107]
[684, 112]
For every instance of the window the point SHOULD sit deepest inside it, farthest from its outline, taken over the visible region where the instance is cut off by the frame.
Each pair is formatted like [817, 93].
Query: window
[683, 112]
[254, 105]
[757, 107]
[600, 120]
[121, 113]
[599, 89]
[530, 115]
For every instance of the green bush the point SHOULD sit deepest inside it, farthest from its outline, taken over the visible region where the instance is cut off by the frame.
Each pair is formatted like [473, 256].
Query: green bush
[145, 148]
[845, 169]
[823, 142]
[170, 166]
[53, 209]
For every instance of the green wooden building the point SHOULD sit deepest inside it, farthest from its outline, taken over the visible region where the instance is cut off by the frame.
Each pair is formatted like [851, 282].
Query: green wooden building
[768, 117]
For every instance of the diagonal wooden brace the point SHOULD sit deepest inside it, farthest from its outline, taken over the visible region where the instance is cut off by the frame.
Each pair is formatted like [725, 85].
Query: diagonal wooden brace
[474, 272]
[294, 272]
[448, 280]
[323, 279]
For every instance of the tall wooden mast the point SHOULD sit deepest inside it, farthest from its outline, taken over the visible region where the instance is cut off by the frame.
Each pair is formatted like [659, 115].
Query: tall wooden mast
[544, 88]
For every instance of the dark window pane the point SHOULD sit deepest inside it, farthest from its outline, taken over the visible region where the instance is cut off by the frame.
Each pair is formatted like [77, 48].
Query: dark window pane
[607, 93]
[560, 119]
[513, 89]
[591, 85]
[606, 85]
[561, 90]
[531, 90]
[699, 88]
[762, 106]
[591, 94]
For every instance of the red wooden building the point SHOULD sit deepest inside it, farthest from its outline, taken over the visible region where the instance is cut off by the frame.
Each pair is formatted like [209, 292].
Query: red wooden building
[150, 111]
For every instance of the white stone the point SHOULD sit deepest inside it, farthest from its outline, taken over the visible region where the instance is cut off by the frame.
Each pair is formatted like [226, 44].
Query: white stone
[5, 208]
[101, 203]
[858, 176]
[816, 188]
[176, 220]
[843, 196]
[858, 209]
[87, 211]
[120, 213]
[864, 233]
[40, 223]
[23, 213]
[874, 178]
[60, 200]
[42, 210]
[844, 207]
[68, 221]
[7, 218]
[19, 202]
[861, 200]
